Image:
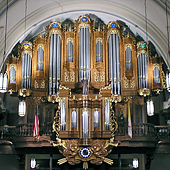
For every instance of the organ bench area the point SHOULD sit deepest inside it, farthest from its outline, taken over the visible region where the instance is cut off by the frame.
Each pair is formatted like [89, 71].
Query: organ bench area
[83, 75]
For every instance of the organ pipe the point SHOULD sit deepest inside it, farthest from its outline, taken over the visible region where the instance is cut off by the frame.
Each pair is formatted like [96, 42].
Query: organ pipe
[85, 123]
[84, 53]
[114, 63]
[54, 70]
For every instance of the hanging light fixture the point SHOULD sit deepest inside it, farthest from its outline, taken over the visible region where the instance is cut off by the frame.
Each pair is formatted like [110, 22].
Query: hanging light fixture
[135, 163]
[3, 76]
[168, 81]
[150, 108]
[22, 108]
[33, 163]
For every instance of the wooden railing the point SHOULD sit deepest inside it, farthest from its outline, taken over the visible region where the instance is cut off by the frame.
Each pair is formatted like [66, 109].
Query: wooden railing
[138, 130]
[7, 132]
[143, 130]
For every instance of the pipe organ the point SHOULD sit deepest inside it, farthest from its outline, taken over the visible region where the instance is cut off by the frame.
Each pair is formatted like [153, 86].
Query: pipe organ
[51, 69]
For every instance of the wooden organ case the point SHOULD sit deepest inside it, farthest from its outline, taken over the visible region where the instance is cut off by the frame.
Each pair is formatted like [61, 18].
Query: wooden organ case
[82, 75]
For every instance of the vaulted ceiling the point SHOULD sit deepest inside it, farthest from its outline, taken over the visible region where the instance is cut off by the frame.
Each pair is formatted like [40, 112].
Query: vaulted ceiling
[40, 12]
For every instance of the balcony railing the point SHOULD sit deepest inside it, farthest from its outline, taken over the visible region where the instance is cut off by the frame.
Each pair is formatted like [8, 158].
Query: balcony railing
[143, 130]
[162, 132]
[138, 130]
[7, 132]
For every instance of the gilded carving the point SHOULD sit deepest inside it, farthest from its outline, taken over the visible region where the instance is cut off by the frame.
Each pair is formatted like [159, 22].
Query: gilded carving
[96, 77]
[129, 83]
[55, 32]
[163, 80]
[126, 82]
[99, 39]
[66, 77]
[26, 52]
[128, 45]
[40, 45]
[102, 77]
[144, 92]
[13, 65]
[69, 39]
[84, 26]
[36, 86]
[112, 32]
[72, 77]
[42, 84]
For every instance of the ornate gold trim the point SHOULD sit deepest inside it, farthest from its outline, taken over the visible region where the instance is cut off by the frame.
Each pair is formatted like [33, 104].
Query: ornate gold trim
[24, 92]
[144, 92]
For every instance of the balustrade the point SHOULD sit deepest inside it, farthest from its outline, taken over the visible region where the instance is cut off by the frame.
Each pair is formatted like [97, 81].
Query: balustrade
[162, 132]
[138, 130]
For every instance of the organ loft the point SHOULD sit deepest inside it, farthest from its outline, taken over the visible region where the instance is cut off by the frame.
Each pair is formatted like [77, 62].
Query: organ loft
[85, 77]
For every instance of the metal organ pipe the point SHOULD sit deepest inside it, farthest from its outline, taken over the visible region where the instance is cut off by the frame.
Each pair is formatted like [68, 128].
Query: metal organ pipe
[110, 62]
[54, 70]
[85, 124]
[40, 58]
[146, 71]
[22, 78]
[28, 71]
[114, 63]
[107, 116]
[12, 78]
[139, 73]
[50, 65]
[54, 64]
[84, 53]
[58, 57]
[128, 58]
[118, 63]
[142, 71]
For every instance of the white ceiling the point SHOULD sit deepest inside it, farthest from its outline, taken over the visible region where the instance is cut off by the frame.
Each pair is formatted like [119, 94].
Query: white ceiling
[132, 12]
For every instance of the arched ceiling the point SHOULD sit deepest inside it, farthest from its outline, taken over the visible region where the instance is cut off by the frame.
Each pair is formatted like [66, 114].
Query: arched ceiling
[41, 12]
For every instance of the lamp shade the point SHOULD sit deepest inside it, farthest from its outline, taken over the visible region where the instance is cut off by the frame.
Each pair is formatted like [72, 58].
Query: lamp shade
[22, 108]
[3, 82]
[168, 81]
[33, 163]
[150, 108]
[135, 163]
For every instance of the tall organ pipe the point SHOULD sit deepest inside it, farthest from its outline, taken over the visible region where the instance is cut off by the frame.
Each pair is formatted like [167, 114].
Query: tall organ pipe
[58, 56]
[54, 64]
[118, 63]
[114, 63]
[54, 70]
[50, 65]
[84, 53]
